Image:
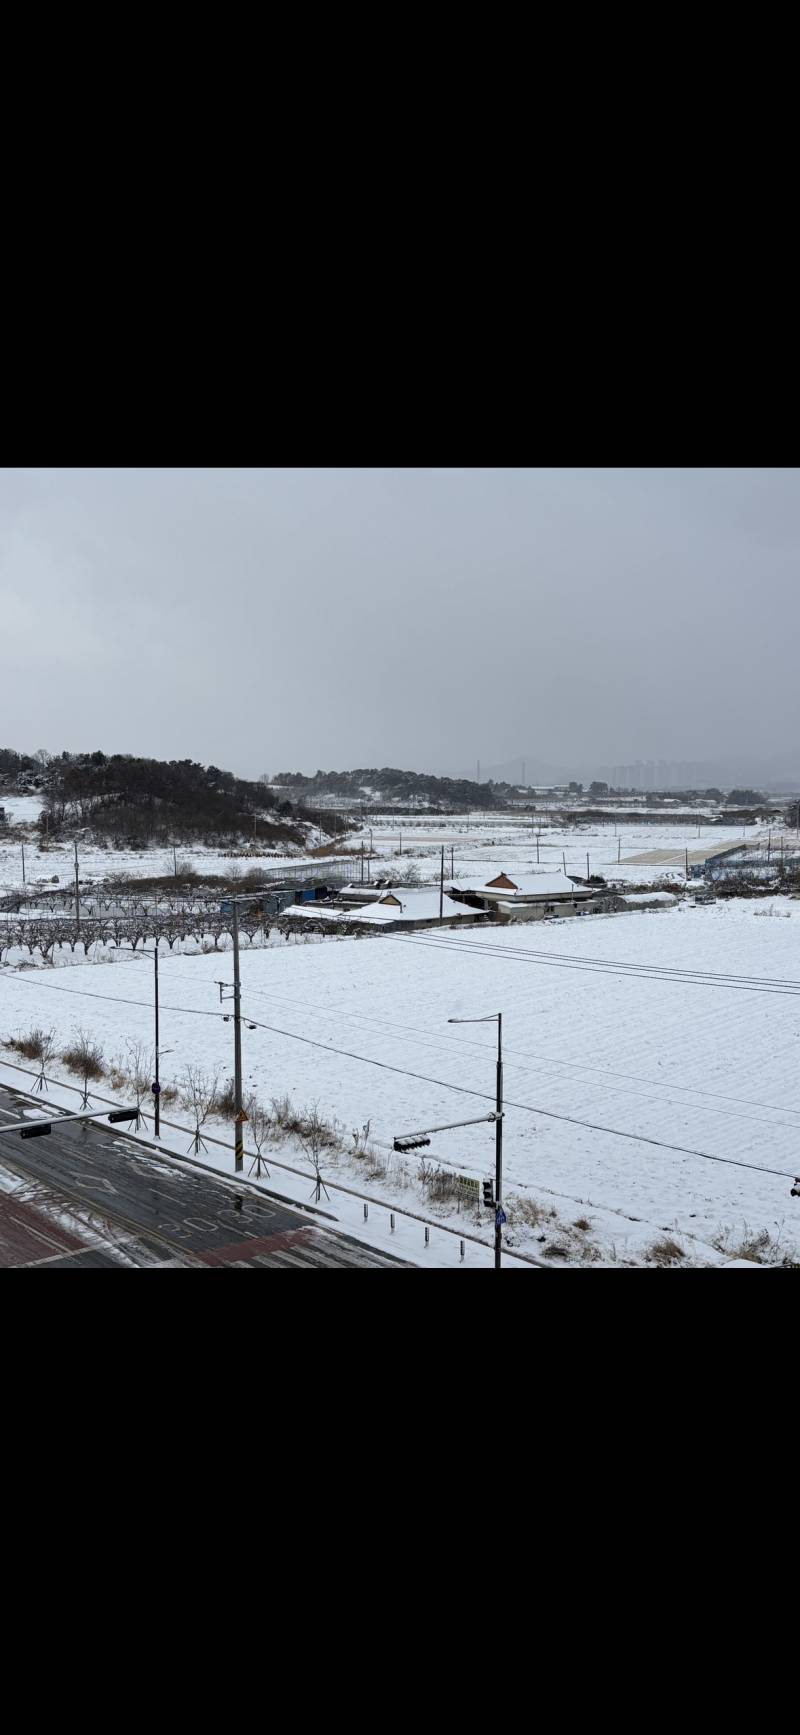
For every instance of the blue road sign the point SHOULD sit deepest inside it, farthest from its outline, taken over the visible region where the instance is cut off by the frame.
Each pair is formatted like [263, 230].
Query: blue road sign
[500, 1218]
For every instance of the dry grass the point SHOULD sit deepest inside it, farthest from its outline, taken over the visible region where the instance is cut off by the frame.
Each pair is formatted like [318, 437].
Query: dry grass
[665, 1252]
[32, 1046]
[529, 1213]
[759, 1245]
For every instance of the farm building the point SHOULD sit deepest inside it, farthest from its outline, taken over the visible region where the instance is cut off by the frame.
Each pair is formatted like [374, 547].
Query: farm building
[399, 908]
[533, 895]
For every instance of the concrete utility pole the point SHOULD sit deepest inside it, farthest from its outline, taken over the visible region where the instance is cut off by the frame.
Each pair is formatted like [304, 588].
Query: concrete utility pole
[498, 1147]
[237, 1047]
[441, 888]
[23, 864]
[156, 1081]
[77, 890]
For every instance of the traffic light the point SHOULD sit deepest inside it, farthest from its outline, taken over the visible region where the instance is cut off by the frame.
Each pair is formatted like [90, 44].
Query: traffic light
[410, 1144]
[36, 1130]
[488, 1194]
[124, 1114]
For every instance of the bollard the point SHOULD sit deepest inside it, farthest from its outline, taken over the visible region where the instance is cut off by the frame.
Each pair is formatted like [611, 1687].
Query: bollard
[391, 1221]
[462, 1249]
[366, 1212]
[427, 1236]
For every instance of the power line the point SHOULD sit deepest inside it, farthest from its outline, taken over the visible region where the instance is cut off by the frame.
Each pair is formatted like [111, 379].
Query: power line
[639, 973]
[116, 999]
[444, 1084]
[528, 1108]
[540, 1062]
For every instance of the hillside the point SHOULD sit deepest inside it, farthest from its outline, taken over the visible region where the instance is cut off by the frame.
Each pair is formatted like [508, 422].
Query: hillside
[123, 798]
[400, 788]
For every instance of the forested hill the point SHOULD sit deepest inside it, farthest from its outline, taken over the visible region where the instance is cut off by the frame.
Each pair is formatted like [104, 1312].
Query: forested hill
[119, 796]
[393, 785]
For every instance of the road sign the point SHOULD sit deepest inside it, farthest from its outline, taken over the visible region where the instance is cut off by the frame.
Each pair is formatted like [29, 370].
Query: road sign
[156, 1089]
[500, 1218]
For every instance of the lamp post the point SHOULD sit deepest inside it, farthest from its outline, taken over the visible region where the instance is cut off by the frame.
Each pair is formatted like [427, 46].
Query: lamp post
[499, 1218]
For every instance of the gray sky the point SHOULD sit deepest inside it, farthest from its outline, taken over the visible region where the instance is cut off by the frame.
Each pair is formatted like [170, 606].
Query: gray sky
[290, 619]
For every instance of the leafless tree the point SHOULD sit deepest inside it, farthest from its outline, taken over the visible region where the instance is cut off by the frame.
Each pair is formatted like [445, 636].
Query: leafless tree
[315, 1138]
[198, 1096]
[43, 1047]
[260, 1123]
[139, 1071]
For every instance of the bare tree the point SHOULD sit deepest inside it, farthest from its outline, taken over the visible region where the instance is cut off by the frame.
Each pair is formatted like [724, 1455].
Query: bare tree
[315, 1137]
[260, 1123]
[198, 1096]
[139, 1071]
[42, 1049]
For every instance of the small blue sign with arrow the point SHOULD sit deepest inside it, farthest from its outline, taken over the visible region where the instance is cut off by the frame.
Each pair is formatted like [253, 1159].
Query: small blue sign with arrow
[500, 1218]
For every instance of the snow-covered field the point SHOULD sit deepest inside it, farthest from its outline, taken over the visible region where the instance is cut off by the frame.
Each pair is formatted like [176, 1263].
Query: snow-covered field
[646, 1056]
[481, 842]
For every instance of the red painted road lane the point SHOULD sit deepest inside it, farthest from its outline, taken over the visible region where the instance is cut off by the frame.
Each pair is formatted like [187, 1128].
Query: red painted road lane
[282, 1242]
[27, 1236]
[308, 1247]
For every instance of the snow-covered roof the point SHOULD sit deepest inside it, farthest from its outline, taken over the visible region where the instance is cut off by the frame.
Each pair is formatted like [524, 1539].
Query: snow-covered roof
[521, 887]
[401, 904]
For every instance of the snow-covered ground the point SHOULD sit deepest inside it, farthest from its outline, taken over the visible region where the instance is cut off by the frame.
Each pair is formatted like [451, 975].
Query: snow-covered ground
[481, 844]
[646, 1056]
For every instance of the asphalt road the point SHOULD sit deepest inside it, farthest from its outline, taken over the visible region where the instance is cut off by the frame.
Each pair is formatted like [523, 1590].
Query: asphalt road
[85, 1198]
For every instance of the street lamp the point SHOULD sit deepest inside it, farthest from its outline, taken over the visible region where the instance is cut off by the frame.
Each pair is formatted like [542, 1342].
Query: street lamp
[500, 1216]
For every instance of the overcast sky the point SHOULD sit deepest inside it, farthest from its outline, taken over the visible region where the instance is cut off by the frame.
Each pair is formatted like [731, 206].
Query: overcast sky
[271, 620]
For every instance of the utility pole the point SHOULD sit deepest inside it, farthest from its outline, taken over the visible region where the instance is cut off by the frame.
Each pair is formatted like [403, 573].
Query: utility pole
[498, 1147]
[156, 1081]
[175, 860]
[587, 864]
[401, 840]
[441, 888]
[451, 861]
[23, 864]
[77, 890]
[564, 862]
[686, 852]
[537, 849]
[237, 1047]
[619, 847]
